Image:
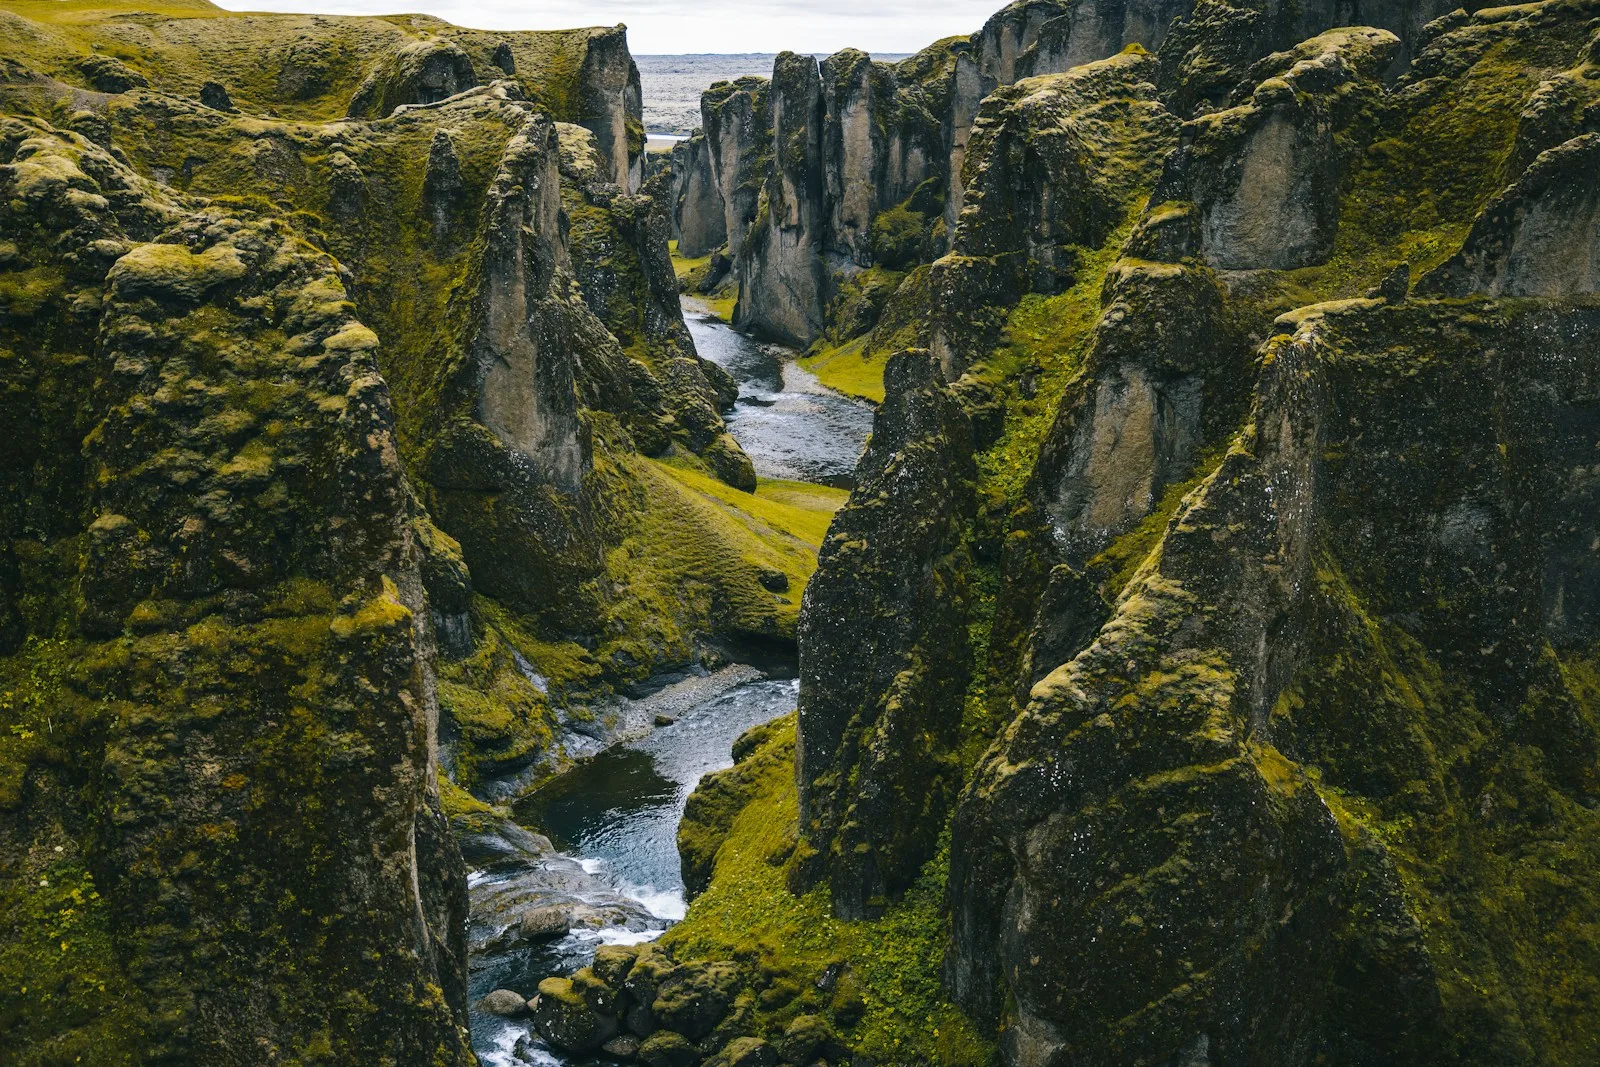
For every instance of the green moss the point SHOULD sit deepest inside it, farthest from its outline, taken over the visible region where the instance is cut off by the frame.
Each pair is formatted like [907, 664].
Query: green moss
[1115, 566]
[850, 369]
[700, 545]
[501, 719]
[1047, 336]
[40, 716]
[891, 965]
[63, 996]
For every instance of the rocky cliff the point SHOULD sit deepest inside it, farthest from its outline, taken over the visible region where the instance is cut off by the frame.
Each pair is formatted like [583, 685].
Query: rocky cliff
[1278, 728]
[218, 656]
[361, 436]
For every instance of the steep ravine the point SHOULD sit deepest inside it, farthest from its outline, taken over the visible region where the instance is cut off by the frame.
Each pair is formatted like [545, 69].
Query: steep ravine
[603, 867]
[1200, 669]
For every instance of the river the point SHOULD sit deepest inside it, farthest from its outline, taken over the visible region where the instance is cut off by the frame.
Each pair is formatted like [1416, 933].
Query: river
[790, 424]
[611, 860]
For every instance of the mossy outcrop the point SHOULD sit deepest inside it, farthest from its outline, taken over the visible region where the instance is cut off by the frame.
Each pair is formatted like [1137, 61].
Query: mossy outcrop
[423, 72]
[236, 634]
[329, 485]
[1054, 165]
[1279, 723]
[1264, 176]
[883, 650]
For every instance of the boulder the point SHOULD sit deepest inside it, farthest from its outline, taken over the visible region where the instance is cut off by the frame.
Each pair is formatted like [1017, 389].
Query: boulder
[613, 962]
[623, 1047]
[505, 1003]
[809, 1038]
[693, 997]
[745, 1052]
[664, 1048]
[564, 1015]
[215, 96]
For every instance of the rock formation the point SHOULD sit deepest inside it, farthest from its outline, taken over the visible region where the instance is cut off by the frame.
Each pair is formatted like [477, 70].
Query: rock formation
[331, 434]
[1291, 626]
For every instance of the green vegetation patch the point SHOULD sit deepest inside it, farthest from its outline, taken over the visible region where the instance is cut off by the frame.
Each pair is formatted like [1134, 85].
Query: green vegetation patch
[888, 1002]
[850, 369]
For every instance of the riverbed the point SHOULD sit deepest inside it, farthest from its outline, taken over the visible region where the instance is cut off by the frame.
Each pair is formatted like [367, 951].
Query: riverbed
[789, 424]
[609, 856]
[613, 821]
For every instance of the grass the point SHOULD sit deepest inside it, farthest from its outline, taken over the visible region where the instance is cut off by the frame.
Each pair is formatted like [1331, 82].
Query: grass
[891, 964]
[849, 369]
[781, 525]
[1052, 334]
[719, 303]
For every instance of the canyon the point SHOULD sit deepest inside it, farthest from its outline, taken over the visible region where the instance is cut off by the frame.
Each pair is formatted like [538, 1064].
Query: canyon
[1198, 664]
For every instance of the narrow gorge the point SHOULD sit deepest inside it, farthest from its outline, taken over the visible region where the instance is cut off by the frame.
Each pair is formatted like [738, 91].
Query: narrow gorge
[1076, 547]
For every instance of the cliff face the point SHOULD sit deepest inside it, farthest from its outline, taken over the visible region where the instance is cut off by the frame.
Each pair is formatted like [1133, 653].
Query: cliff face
[699, 220]
[1276, 588]
[883, 156]
[332, 431]
[883, 651]
[221, 605]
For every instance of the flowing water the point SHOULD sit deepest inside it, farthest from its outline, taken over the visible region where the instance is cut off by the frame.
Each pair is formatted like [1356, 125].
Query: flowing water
[612, 821]
[789, 424]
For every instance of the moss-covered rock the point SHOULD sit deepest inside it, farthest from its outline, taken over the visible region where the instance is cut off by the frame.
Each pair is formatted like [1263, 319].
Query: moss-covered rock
[882, 650]
[250, 650]
[422, 72]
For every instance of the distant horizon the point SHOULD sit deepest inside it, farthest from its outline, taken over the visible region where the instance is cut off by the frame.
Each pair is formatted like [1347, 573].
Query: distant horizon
[701, 28]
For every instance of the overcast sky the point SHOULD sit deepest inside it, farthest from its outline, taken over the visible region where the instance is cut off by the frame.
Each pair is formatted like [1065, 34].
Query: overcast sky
[680, 26]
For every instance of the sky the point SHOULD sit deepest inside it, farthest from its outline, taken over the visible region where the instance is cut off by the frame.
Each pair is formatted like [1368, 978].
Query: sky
[670, 27]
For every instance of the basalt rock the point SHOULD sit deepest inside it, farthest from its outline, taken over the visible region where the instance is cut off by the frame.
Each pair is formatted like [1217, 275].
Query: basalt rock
[783, 282]
[737, 120]
[1540, 237]
[215, 95]
[423, 72]
[620, 254]
[442, 184]
[1053, 166]
[883, 650]
[1264, 175]
[246, 612]
[1209, 51]
[1094, 29]
[699, 217]
[1244, 643]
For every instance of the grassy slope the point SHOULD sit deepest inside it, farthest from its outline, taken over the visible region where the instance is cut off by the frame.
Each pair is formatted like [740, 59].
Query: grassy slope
[719, 303]
[892, 964]
[304, 67]
[850, 369]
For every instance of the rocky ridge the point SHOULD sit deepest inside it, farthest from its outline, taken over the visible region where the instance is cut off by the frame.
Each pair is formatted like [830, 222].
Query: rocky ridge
[361, 437]
[1280, 699]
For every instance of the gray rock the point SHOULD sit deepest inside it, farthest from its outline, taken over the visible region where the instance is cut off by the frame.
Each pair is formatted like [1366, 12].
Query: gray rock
[443, 189]
[883, 649]
[505, 1003]
[1540, 237]
[566, 1015]
[664, 1048]
[623, 1047]
[215, 96]
[1264, 174]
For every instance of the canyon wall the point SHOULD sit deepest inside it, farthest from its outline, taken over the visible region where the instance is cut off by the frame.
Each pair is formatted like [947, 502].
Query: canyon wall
[337, 350]
[1273, 352]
